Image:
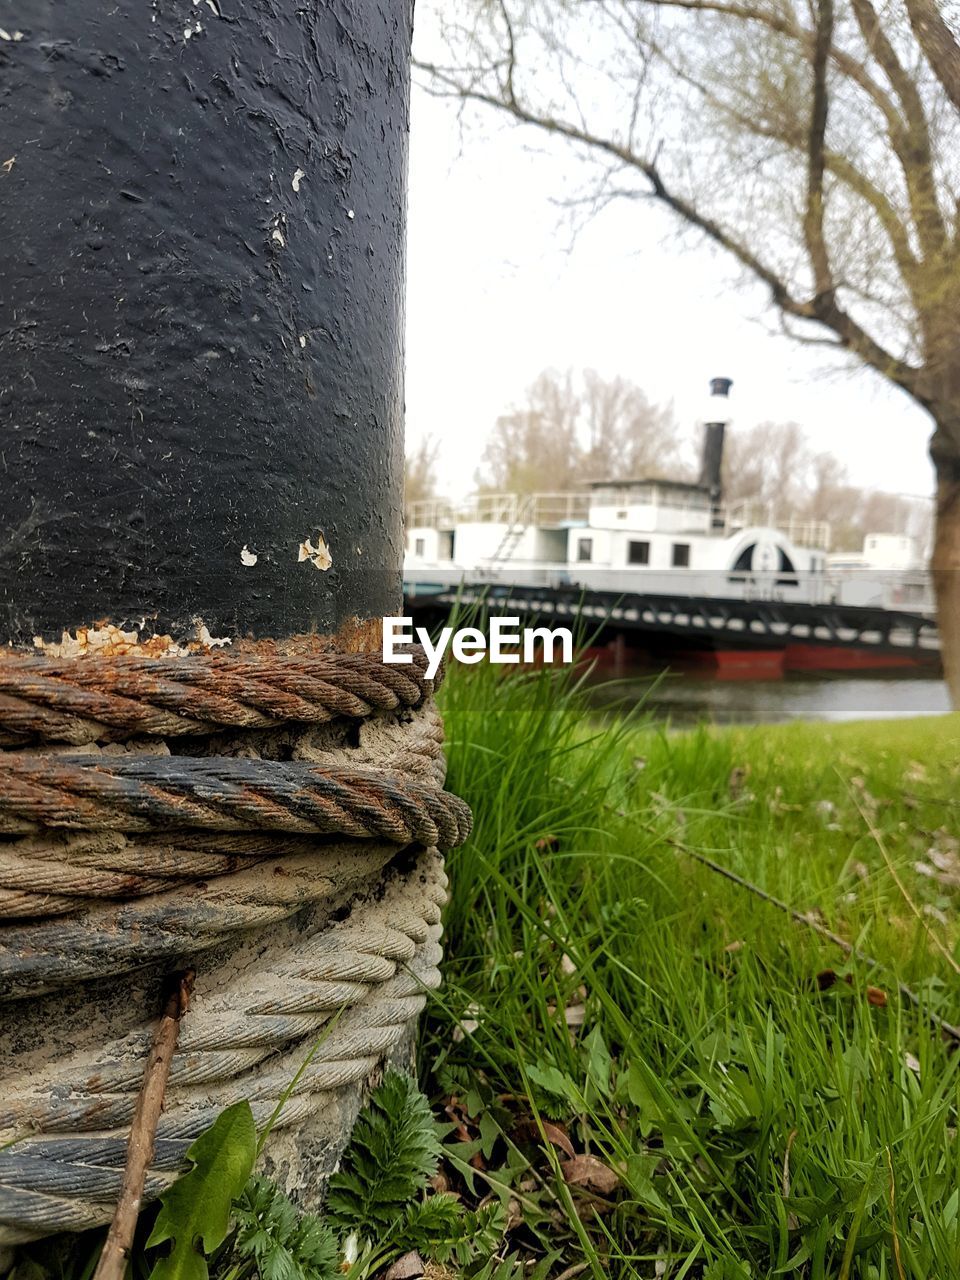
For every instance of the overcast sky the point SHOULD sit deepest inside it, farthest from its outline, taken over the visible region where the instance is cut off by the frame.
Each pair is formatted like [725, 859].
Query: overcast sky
[500, 288]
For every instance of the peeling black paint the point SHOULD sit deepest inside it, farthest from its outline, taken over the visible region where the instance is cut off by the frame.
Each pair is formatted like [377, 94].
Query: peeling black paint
[194, 357]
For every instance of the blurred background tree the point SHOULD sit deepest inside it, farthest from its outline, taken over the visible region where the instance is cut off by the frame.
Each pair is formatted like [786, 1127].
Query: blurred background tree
[420, 471]
[570, 431]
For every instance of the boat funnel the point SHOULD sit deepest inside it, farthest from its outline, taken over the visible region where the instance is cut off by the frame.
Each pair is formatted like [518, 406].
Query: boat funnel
[711, 458]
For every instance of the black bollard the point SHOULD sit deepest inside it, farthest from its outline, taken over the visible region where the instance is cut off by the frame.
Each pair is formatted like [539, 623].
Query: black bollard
[202, 222]
[202, 208]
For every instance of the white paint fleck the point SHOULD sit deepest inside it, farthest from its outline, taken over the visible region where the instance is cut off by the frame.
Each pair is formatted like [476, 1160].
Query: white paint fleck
[277, 235]
[248, 557]
[303, 339]
[208, 641]
[212, 6]
[350, 214]
[5, 35]
[297, 177]
[187, 33]
[319, 555]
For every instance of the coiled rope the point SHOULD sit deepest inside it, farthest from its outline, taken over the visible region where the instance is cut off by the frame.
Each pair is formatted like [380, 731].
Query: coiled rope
[292, 856]
[93, 699]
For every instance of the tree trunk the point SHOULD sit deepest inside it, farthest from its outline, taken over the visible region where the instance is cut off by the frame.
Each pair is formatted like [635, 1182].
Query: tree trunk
[945, 568]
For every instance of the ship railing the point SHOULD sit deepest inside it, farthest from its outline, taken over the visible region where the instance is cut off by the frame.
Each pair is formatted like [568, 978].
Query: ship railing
[816, 535]
[543, 509]
[573, 507]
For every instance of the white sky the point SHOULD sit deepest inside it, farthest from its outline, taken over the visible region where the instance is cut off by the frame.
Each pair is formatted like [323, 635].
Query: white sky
[500, 288]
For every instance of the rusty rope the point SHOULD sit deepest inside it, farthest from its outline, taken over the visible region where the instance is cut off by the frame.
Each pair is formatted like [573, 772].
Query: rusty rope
[161, 793]
[61, 872]
[98, 699]
[293, 789]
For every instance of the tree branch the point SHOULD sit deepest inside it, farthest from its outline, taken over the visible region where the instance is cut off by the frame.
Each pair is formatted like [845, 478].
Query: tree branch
[823, 309]
[908, 133]
[816, 162]
[846, 63]
[938, 44]
[115, 1255]
[911, 143]
[837, 164]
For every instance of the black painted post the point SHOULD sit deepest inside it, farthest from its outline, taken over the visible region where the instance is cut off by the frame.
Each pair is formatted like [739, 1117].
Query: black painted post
[201, 230]
[202, 207]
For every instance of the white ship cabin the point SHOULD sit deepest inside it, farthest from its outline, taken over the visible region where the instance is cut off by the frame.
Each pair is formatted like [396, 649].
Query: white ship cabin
[882, 551]
[637, 526]
[674, 525]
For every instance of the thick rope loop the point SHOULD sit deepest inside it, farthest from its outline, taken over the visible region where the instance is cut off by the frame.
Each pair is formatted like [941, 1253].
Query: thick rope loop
[138, 858]
[221, 793]
[96, 699]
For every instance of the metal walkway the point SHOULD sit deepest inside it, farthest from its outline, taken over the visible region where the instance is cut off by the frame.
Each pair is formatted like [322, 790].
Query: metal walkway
[720, 623]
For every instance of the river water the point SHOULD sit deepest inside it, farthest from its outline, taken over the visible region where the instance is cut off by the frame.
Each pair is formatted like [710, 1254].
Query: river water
[687, 699]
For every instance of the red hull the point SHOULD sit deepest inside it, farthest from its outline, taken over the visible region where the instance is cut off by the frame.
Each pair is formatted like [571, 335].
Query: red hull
[762, 664]
[736, 664]
[825, 657]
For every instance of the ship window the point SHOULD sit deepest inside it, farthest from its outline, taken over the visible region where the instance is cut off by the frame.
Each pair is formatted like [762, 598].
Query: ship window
[420, 547]
[681, 555]
[584, 548]
[745, 559]
[622, 515]
[785, 565]
[638, 553]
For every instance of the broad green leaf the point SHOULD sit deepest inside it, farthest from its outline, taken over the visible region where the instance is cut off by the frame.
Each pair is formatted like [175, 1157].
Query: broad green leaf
[195, 1212]
[597, 1061]
[554, 1081]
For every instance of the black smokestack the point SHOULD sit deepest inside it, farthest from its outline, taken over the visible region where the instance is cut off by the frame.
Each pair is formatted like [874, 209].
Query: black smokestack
[711, 459]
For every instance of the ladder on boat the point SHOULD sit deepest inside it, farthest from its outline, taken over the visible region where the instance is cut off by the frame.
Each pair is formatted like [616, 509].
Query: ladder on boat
[514, 531]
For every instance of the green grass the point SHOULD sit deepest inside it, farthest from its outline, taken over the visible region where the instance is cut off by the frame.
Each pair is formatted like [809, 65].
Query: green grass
[756, 1124]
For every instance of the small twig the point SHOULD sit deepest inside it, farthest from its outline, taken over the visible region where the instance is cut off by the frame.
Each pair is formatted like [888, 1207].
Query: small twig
[143, 1132]
[575, 1270]
[801, 917]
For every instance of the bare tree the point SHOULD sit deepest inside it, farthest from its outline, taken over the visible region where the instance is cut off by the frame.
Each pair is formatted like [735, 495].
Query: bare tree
[768, 463]
[814, 141]
[534, 448]
[420, 471]
[626, 435]
[565, 435]
[774, 466]
[830, 488]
